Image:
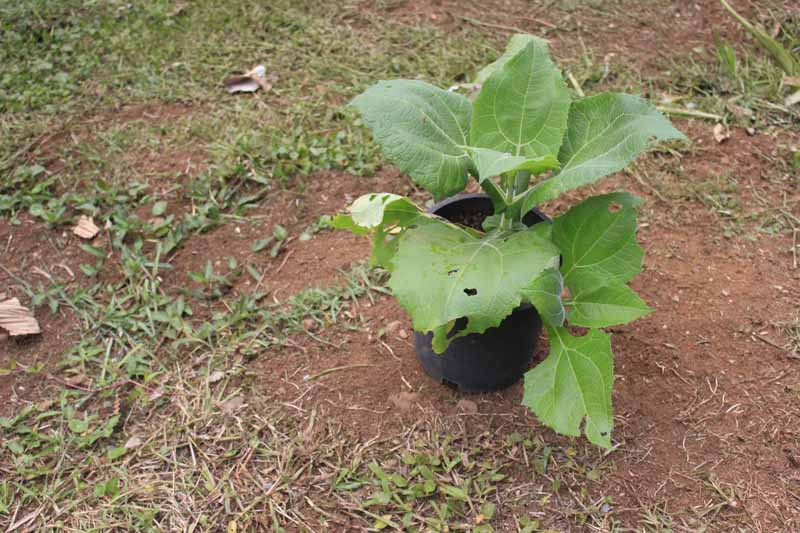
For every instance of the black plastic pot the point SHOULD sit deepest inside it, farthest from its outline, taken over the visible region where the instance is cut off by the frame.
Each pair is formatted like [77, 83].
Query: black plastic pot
[498, 357]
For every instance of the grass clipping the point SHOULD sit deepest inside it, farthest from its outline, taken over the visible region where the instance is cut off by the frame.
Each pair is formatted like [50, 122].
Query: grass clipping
[17, 319]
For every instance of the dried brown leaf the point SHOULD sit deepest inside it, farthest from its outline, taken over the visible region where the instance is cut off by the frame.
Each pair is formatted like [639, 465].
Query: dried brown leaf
[133, 442]
[78, 380]
[792, 99]
[721, 134]
[232, 405]
[86, 228]
[249, 82]
[215, 376]
[17, 319]
[177, 9]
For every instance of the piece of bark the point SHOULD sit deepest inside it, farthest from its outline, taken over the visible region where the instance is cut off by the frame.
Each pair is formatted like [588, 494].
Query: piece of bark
[16, 319]
[86, 228]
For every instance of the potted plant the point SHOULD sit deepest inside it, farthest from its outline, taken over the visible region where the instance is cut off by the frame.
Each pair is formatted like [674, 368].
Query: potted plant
[479, 274]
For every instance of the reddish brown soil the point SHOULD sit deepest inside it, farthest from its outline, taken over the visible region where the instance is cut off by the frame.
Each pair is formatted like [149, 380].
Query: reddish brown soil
[631, 31]
[40, 257]
[701, 383]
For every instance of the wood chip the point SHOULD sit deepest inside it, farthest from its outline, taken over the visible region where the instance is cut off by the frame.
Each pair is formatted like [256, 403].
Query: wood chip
[17, 319]
[86, 228]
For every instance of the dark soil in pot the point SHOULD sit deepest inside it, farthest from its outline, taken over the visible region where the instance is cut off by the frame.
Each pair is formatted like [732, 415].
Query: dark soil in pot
[498, 357]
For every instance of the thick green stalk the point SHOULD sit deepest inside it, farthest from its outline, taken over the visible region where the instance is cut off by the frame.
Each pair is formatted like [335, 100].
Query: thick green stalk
[522, 181]
[497, 195]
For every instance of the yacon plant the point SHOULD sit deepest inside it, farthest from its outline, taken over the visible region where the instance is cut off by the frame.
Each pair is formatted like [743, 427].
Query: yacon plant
[525, 141]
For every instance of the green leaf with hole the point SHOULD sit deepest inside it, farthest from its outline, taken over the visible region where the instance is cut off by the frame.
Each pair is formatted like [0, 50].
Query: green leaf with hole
[523, 106]
[607, 306]
[572, 386]
[544, 293]
[422, 129]
[442, 272]
[605, 133]
[598, 244]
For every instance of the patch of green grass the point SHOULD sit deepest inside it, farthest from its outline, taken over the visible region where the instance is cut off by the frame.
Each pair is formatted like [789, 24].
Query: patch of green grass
[92, 161]
[142, 354]
[432, 487]
[738, 81]
[146, 52]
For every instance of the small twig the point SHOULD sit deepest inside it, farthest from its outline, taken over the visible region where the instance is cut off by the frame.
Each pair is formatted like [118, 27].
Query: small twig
[575, 84]
[794, 248]
[646, 184]
[689, 113]
[389, 349]
[76, 386]
[25, 519]
[767, 341]
[285, 259]
[680, 377]
[776, 378]
[335, 369]
[490, 24]
[539, 21]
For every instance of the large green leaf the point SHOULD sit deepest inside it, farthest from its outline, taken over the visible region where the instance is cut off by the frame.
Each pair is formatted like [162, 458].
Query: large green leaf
[598, 245]
[422, 130]
[381, 213]
[442, 272]
[544, 293]
[606, 306]
[515, 44]
[573, 385]
[490, 163]
[522, 107]
[605, 132]
[371, 210]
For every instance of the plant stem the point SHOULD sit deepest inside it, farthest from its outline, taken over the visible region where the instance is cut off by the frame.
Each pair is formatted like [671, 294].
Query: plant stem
[521, 182]
[494, 192]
